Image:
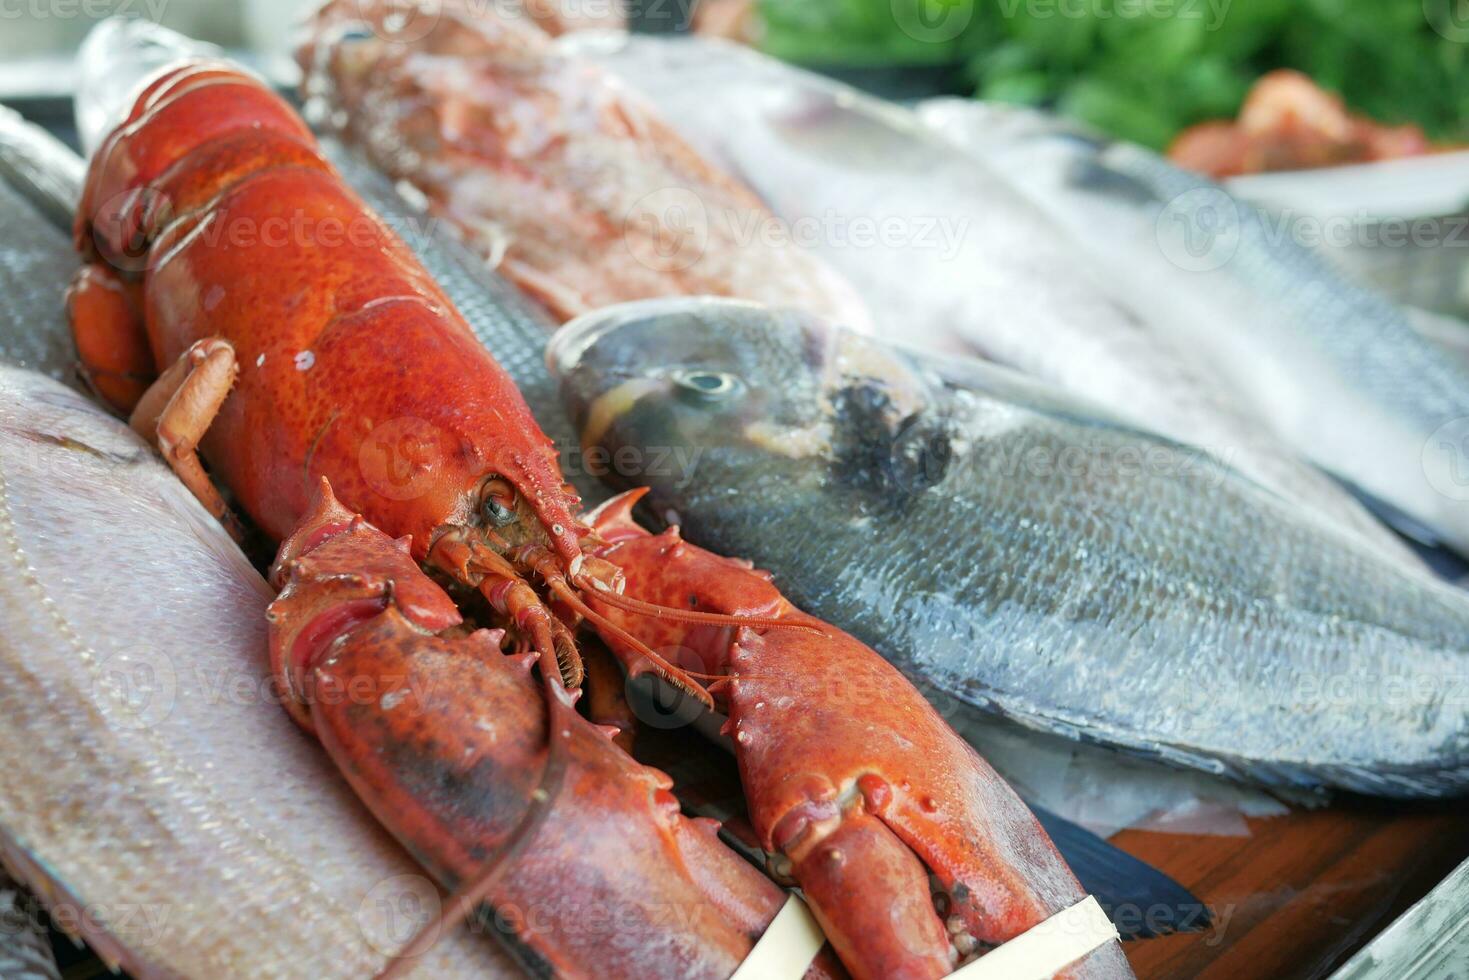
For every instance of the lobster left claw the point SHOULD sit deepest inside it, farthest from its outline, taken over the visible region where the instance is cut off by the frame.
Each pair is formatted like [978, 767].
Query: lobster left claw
[849, 773]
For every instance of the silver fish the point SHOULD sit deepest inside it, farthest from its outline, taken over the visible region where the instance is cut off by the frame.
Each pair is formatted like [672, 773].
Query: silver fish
[155, 793]
[946, 253]
[1004, 544]
[1336, 369]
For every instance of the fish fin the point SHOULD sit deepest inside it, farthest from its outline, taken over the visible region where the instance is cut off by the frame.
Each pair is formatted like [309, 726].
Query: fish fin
[1142, 901]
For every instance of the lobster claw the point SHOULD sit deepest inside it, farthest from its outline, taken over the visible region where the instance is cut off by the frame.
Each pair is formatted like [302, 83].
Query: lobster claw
[491, 779]
[913, 852]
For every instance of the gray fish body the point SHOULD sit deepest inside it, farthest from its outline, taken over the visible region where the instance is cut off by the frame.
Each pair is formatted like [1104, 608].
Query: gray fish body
[41, 167]
[1339, 372]
[1005, 545]
[37, 190]
[948, 255]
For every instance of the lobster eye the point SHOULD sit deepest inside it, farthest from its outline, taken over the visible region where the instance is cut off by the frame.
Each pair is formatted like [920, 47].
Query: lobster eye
[498, 504]
[497, 514]
[707, 385]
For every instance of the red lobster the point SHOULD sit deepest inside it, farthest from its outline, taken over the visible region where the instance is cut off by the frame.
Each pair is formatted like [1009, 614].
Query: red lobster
[292, 329]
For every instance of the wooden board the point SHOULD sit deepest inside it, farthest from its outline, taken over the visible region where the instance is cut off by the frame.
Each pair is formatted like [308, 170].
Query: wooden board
[1303, 892]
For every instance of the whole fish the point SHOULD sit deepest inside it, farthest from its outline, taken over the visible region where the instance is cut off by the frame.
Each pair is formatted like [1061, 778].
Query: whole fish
[559, 177]
[1001, 542]
[1337, 370]
[155, 795]
[947, 255]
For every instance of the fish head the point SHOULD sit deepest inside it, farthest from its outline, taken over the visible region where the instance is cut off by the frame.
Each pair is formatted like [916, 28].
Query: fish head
[668, 392]
[719, 378]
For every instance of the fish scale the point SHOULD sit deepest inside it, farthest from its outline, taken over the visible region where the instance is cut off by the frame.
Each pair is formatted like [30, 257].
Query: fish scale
[1179, 610]
[36, 260]
[1338, 371]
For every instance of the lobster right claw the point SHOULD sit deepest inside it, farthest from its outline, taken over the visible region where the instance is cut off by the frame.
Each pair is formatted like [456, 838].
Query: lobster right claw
[849, 773]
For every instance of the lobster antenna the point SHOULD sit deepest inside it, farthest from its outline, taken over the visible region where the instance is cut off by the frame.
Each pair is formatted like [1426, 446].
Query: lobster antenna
[628, 604]
[683, 679]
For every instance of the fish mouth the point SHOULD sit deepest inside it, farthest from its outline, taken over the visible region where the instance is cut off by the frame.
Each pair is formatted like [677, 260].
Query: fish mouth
[569, 345]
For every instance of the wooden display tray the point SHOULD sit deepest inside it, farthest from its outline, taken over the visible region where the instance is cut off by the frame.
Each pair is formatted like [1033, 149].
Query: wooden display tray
[1303, 892]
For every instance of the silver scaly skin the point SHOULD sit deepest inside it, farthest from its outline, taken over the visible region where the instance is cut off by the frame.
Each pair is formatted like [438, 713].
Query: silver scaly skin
[1007, 545]
[1337, 370]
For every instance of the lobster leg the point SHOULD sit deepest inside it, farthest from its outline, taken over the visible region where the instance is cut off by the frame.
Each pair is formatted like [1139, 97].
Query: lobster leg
[112, 347]
[850, 774]
[177, 410]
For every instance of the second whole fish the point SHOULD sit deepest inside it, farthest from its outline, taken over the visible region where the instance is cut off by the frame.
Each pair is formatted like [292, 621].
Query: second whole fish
[1009, 546]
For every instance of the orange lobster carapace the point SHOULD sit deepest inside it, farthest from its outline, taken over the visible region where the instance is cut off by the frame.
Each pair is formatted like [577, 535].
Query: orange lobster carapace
[252, 312]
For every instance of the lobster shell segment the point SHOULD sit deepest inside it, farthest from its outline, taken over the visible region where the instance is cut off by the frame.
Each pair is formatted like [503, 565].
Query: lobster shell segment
[213, 198]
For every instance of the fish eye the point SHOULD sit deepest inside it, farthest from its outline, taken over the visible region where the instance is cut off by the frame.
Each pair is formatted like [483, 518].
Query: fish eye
[705, 385]
[497, 505]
